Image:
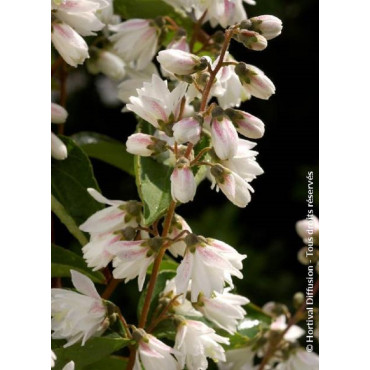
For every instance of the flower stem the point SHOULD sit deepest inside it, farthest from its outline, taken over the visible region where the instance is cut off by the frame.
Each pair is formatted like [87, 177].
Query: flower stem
[153, 280]
[293, 320]
[207, 89]
[110, 288]
[157, 262]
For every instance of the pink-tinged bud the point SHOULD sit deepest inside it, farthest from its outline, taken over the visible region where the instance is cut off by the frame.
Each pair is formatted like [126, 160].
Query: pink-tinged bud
[246, 124]
[180, 62]
[224, 138]
[111, 65]
[70, 45]
[187, 130]
[267, 25]
[183, 186]
[58, 113]
[58, 148]
[252, 40]
[180, 44]
[232, 185]
[144, 145]
[254, 81]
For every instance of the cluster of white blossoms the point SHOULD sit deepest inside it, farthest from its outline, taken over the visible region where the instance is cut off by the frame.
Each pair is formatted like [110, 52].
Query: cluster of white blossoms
[190, 106]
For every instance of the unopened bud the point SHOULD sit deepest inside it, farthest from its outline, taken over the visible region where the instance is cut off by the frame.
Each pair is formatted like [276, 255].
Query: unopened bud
[145, 145]
[267, 25]
[180, 62]
[298, 300]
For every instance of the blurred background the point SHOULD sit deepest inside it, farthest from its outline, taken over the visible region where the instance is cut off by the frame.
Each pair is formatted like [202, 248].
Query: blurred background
[265, 229]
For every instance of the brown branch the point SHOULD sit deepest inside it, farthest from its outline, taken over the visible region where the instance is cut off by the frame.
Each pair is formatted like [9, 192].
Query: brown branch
[111, 287]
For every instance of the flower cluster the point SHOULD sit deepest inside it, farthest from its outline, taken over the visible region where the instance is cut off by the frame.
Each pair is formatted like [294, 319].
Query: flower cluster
[193, 123]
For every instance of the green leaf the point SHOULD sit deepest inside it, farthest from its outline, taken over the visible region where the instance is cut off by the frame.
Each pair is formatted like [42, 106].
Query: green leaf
[154, 186]
[58, 209]
[69, 180]
[63, 260]
[106, 149]
[141, 8]
[166, 265]
[94, 350]
[109, 363]
[163, 276]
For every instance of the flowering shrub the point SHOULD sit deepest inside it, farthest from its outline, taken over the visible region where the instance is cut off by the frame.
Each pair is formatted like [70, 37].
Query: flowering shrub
[184, 86]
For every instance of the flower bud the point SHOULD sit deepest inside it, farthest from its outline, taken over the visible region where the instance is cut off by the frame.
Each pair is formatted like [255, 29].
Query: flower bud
[224, 137]
[70, 45]
[254, 81]
[58, 148]
[183, 186]
[180, 62]
[58, 113]
[252, 40]
[111, 65]
[187, 130]
[267, 25]
[145, 145]
[246, 124]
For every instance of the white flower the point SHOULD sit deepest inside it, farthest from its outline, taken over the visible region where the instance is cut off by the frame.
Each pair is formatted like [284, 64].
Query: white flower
[180, 62]
[178, 225]
[223, 309]
[183, 185]
[308, 228]
[238, 359]
[58, 114]
[154, 354]
[235, 188]
[230, 91]
[70, 45]
[227, 252]
[224, 137]
[77, 316]
[196, 341]
[244, 162]
[300, 360]
[223, 12]
[106, 14]
[181, 306]
[136, 40]
[119, 215]
[132, 259]
[207, 267]
[155, 102]
[134, 81]
[267, 25]
[187, 130]
[96, 251]
[79, 14]
[255, 82]
[58, 148]
[109, 64]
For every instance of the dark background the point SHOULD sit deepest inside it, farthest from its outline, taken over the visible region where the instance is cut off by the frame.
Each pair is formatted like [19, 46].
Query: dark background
[265, 229]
